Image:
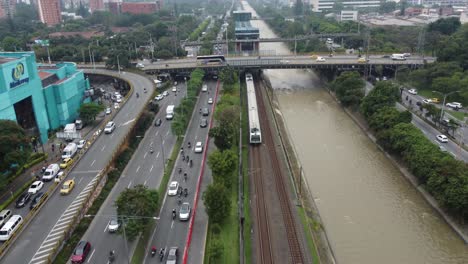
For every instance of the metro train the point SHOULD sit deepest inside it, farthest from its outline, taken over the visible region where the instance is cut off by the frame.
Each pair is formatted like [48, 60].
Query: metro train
[255, 134]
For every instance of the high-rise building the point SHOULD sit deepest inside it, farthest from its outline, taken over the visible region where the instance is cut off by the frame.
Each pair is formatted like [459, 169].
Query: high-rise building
[49, 12]
[96, 5]
[7, 8]
[324, 5]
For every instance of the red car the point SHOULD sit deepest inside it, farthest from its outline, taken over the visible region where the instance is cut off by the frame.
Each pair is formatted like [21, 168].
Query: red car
[81, 252]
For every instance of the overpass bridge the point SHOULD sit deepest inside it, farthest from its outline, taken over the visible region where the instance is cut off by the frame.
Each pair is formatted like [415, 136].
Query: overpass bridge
[340, 62]
[297, 38]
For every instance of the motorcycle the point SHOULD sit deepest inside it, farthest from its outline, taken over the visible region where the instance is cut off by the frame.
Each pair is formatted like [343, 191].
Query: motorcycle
[138, 95]
[189, 145]
[191, 163]
[173, 214]
[153, 252]
[185, 192]
[111, 256]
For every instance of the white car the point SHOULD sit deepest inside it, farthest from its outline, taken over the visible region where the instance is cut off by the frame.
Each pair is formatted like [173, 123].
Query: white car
[454, 105]
[184, 212]
[140, 66]
[108, 111]
[159, 97]
[412, 91]
[118, 99]
[320, 59]
[35, 187]
[442, 138]
[210, 100]
[81, 144]
[427, 101]
[173, 188]
[113, 225]
[165, 93]
[199, 147]
[109, 127]
[116, 106]
[204, 88]
[174, 89]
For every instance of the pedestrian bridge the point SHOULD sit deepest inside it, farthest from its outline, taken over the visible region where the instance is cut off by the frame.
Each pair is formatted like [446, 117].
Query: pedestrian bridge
[340, 62]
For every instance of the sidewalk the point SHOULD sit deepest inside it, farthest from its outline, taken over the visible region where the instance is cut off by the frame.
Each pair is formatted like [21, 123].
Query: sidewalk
[53, 157]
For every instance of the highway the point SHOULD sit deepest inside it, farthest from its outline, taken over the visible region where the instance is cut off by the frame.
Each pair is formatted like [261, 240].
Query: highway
[431, 133]
[30, 246]
[169, 232]
[144, 168]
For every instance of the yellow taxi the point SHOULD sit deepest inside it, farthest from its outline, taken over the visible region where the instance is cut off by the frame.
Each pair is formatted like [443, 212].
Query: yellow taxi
[65, 163]
[67, 187]
[435, 100]
[362, 60]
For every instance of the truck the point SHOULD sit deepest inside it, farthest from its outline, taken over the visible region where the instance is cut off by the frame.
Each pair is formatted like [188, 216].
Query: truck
[170, 112]
[69, 151]
[79, 124]
[70, 131]
[398, 57]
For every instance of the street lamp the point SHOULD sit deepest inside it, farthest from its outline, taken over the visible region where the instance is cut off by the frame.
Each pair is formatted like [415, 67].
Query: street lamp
[118, 63]
[443, 104]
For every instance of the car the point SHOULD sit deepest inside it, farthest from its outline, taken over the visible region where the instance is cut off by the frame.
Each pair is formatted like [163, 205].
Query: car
[165, 93]
[37, 200]
[113, 225]
[406, 55]
[108, 111]
[174, 89]
[117, 94]
[81, 144]
[184, 212]
[210, 100]
[412, 91]
[67, 187]
[362, 60]
[454, 105]
[140, 65]
[173, 188]
[116, 106]
[435, 100]
[442, 138]
[199, 147]
[204, 88]
[320, 59]
[427, 101]
[81, 252]
[205, 111]
[66, 162]
[35, 187]
[23, 200]
[418, 103]
[386, 56]
[118, 99]
[158, 122]
[172, 255]
[203, 122]
[109, 127]
[159, 97]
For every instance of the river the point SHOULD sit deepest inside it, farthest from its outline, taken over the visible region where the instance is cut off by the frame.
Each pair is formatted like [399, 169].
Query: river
[371, 213]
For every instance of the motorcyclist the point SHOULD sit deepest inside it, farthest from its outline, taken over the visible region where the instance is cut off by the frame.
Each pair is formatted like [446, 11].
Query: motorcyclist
[185, 192]
[191, 163]
[173, 213]
[185, 176]
[189, 145]
[151, 150]
[153, 251]
[111, 255]
[138, 95]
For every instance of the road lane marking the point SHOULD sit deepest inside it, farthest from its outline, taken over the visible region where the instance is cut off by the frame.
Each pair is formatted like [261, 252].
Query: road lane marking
[80, 180]
[144, 156]
[90, 257]
[137, 169]
[128, 122]
[86, 172]
[152, 166]
[102, 149]
[92, 163]
[162, 143]
[157, 155]
[105, 229]
[157, 132]
[151, 144]
[172, 224]
[130, 183]
[144, 183]
[167, 133]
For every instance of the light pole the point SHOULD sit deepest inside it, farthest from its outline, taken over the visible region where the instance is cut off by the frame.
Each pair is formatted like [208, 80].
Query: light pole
[118, 63]
[443, 104]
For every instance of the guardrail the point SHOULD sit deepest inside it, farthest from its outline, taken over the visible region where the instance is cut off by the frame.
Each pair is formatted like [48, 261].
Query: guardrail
[94, 183]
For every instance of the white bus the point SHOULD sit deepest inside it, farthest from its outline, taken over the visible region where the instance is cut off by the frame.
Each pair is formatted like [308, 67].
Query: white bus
[398, 57]
[9, 228]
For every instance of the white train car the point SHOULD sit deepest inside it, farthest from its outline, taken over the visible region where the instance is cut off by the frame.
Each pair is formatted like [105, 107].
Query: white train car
[255, 134]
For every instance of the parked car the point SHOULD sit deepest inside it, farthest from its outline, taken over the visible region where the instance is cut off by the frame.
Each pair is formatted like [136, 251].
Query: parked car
[35, 187]
[199, 147]
[23, 200]
[81, 144]
[442, 138]
[173, 188]
[158, 122]
[116, 106]
[165, 93]
[159, 97]
[108, 111]
[184, 212]
[81, 252]
[37, 200]
[67, 187]
[412, 91]
[65, 163]
[113, 225]
[172, 256]
[454, 105]
[109, 127]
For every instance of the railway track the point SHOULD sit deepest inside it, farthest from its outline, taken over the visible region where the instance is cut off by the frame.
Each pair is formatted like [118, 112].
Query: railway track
[263, 226]
[295, 250]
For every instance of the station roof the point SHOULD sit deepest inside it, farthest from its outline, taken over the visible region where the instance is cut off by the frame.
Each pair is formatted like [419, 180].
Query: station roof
[245, 26]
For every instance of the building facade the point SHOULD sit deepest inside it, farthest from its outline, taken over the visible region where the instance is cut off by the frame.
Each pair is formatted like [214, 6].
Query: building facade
[244, 30]
[49, 12]
[39, 97]
[324, 5]
[348, 15]
[7, 8]
[96, 5]
[133, 6]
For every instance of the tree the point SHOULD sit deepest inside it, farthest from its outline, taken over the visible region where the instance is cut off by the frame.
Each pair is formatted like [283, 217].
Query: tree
[11, 44]
[217, 203]
[349, 88]
[298, 8]
[387, 7]
[135, 207]
[216, 250]
[89, 111]
[387, 117]
[82, 10]
[446, 26]
[15, 145]
[384, 94]
[223, 164]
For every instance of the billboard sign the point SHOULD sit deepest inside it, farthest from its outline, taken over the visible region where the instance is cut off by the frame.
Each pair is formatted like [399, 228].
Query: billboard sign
[19, 75]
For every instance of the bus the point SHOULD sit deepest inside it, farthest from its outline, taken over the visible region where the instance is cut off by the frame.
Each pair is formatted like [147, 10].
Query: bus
[398, 57]
[211, 60]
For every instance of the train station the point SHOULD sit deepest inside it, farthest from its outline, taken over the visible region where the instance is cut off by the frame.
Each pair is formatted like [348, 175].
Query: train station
[40, 97]
[245, 31]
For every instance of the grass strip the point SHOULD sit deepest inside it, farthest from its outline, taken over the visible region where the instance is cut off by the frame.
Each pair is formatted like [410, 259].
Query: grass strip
[245, 170]
[310, 241]
[139, 254]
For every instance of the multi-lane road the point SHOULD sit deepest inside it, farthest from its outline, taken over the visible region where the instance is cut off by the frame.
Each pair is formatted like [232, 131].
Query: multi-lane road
[144, 168]
[36, 242]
